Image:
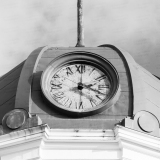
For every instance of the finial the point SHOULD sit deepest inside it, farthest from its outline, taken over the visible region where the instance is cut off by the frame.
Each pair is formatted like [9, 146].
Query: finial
[80, 30]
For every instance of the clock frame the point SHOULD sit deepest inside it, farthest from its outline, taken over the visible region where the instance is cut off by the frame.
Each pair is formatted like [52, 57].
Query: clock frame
[85, 58]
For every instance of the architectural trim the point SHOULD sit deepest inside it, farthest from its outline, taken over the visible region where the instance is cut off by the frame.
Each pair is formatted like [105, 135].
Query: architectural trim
[44, 143]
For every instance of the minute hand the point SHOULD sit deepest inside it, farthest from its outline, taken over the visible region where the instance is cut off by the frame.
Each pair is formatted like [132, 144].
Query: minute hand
[89, 87]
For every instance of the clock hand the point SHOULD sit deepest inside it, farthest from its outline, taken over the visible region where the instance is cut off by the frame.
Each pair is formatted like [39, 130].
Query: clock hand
[93, 103]
[95, 81]
[92, 83]
[81, 75]
[80, 98]
[81, 86]
[88, 87]
[69, 88]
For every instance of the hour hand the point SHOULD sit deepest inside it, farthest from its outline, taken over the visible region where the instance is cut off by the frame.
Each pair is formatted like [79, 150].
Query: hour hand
[94, 90]
[90, 84]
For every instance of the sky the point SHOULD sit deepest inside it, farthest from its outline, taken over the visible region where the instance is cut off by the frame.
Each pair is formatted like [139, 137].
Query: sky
[133, 25]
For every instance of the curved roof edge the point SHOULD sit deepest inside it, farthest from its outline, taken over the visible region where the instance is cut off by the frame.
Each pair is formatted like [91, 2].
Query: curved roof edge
[146, 97]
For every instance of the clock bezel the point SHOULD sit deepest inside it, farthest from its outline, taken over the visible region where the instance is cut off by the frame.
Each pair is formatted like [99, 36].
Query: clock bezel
[86, 58]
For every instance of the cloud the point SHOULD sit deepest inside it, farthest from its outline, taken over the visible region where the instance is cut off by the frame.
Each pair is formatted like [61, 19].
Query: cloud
[27, 25]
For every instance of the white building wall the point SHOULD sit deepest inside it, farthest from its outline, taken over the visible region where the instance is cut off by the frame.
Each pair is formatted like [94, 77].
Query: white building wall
[43, 143]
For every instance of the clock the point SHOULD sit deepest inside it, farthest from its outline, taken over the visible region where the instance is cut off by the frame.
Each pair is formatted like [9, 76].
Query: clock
[80, 84]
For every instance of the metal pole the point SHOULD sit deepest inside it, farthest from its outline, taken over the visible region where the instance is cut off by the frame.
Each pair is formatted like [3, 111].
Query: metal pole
[80, 31]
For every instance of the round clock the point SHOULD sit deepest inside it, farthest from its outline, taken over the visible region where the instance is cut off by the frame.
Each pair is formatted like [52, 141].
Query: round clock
[80, 84]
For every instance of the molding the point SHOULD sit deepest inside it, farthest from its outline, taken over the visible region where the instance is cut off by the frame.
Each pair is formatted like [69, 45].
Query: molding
[136, 137]
[80, 135]
[44, 143]
[137, 145]
[20, 136]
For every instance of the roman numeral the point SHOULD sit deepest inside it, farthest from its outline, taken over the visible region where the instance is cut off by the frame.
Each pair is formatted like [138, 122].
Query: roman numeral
[80, 68]
[67, 102]
[70, 104]
[100, 78]
[101, 87]
[69, 71]
[99, 97]
[58, 96]
[92, 71]
[92, 102]
[81, 105]
[56, 86]
[56, 76]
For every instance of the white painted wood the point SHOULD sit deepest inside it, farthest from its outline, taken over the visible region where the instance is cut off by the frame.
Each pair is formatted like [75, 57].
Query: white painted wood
[29, 154]
[43, 143]
[146, 88]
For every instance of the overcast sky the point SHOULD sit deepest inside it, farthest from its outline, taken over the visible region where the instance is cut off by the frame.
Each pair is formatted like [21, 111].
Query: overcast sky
[133, 25]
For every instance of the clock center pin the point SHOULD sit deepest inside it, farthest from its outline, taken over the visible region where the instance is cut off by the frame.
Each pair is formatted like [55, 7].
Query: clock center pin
[80, 86]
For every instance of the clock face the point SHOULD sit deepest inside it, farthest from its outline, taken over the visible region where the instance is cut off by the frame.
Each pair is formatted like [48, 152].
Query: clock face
[79, 86]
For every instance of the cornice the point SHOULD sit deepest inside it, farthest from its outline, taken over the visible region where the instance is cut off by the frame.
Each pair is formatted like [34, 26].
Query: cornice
[20, 136]
[136, 141]
[47, 140]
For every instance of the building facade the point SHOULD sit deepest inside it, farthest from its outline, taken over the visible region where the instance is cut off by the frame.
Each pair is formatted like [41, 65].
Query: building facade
[79, 103]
